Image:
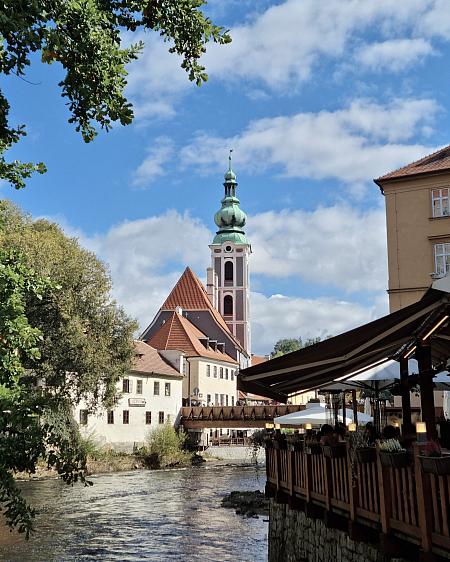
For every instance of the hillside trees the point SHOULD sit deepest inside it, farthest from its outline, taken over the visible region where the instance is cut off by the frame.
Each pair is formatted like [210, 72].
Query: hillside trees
[288, 345]
[72, 342]
[85, 37]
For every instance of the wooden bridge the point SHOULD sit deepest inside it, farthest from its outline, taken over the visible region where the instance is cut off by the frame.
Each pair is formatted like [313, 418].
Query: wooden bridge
[233, 416]
[403, 507]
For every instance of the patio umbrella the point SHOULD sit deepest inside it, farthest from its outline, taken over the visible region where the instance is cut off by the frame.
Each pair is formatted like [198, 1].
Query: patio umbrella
[446, 404]
[317, 414]
[367, 406]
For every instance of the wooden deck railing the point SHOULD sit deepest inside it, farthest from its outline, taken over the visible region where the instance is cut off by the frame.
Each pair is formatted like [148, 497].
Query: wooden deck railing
[400, 502]
[200, 417]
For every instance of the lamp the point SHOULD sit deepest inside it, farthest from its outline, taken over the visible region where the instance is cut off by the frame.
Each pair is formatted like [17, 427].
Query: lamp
[395, 424]
[352, 426]
[277, 426]
[308, 426]
[421, 429]
[434, 328]
[269, 426]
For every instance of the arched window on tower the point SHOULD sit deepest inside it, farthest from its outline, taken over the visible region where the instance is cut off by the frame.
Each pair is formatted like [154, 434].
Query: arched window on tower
[229, 270]
[228, 305]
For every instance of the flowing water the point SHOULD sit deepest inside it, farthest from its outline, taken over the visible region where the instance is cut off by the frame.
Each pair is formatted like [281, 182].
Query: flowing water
[144, 515]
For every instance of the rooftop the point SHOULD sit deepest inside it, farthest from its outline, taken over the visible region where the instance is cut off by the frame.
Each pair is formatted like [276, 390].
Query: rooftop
[178, 333]
[149, 360]
[438, 161]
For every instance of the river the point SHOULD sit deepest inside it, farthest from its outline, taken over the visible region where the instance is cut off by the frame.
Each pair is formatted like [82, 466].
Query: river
[172, 515]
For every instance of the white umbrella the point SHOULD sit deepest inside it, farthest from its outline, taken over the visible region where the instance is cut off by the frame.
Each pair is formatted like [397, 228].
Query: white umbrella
[367, 407]
[446, 404]
[317, 414]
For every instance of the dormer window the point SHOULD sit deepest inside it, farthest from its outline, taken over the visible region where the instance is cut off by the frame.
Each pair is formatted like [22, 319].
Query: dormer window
[440, 202]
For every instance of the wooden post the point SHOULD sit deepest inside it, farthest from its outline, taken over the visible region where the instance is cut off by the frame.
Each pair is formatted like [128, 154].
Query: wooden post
[353, 490]
[291, 474]
[343, 407]
[424, 505]
[384, 486]
[406, 397]
[355, 407]
[277, 466]
[327, 482]
[423, 355]
[308, 479]
[336, 408]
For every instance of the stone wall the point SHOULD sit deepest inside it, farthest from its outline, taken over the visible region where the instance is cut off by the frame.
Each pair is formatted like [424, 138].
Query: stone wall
[293, 537]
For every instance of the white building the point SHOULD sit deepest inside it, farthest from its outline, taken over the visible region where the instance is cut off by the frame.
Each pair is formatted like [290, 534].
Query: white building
[150, 396]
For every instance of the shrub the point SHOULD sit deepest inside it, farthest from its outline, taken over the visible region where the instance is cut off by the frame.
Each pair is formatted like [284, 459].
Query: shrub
[165, 447]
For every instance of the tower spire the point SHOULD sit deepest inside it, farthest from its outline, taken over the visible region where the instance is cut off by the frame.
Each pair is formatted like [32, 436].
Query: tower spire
[230, 218]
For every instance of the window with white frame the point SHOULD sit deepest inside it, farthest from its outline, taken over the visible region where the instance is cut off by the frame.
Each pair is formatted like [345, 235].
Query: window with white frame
[208, 370]
[167, 389]
[232, 375]
[442, 259]
[139, 386]
[440, 202]
[215, 371]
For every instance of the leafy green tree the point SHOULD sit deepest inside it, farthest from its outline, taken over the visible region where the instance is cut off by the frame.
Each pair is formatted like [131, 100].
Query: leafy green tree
[62, 341]
[84, 37]
[287, 345]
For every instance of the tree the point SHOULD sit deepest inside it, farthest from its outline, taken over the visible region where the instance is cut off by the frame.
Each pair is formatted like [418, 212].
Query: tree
[68, 341]
[288, 345]
[84, 36]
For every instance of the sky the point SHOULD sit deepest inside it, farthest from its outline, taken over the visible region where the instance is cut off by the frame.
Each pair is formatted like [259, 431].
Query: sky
[316, 98]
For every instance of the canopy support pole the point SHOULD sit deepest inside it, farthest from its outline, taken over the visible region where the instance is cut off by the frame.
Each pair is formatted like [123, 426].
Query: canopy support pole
[423, 355]
[343, 408]
[355, 407]
[406, 397]
[336, 408]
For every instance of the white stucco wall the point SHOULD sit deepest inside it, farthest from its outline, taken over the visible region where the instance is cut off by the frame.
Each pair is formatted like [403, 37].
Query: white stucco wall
[210, 385]
[123, 437]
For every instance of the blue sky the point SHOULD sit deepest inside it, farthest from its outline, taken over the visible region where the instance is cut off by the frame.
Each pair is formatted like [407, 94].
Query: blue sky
[315, 98]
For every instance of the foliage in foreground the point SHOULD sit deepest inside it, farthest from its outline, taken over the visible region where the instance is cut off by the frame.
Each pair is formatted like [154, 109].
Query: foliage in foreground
[164, 447]
[62, 339]
[85, 37]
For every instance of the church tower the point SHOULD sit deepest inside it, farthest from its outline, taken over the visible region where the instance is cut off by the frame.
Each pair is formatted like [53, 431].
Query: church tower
[228, 277]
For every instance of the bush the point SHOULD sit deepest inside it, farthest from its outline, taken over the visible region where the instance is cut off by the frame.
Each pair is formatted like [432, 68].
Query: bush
[165, 448]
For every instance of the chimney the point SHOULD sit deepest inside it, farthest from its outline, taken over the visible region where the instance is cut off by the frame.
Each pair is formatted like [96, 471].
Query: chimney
[211, 286]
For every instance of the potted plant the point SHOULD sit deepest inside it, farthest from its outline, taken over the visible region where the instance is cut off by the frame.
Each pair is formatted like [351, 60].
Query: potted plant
[336, 451]
[362, 451]
[312, 448]
[392, 454]
[433, 462]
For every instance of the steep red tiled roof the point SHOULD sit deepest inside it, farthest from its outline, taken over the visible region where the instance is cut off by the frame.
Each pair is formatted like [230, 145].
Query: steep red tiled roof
[437, 162]
[257, 359]
[190, 294]
[178, 333]
[148, 360]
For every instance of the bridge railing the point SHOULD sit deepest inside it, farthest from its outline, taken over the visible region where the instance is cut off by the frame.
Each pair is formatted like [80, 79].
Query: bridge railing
[263, 413]
[400, 501]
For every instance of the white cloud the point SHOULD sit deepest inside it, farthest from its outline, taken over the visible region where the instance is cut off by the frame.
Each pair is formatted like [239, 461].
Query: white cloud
[353, 144]
[152, 167]
[147, 256]
[335, 246]
[278, 316]
[394, 54]
[280, 46]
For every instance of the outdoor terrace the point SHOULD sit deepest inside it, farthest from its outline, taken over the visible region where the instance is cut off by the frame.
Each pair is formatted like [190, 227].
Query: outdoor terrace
[404, 504]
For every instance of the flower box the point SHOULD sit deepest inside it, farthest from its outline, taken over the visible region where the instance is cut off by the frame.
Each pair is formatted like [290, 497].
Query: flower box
[334, 451]
[313, 449]
[295, 446]
[435, 465]
[394, 460]
[366, 454]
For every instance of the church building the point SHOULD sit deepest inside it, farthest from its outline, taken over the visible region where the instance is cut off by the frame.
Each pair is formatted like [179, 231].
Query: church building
[211, 326]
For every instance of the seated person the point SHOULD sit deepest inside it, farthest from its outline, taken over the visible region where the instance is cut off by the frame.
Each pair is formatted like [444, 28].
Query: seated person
[390, 432]
[327, 436]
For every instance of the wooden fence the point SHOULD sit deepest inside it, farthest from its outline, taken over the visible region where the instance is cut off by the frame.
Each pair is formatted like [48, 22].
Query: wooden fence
[403, 503]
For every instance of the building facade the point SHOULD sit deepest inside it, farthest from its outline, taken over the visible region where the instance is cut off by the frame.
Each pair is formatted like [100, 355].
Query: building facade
[149, 396]
[418, 233]
[418, 226]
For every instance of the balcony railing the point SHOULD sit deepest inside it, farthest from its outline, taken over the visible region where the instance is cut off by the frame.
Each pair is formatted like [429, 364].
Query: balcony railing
[402, 502]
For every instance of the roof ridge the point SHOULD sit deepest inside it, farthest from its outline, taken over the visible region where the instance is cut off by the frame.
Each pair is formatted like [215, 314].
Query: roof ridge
[415, 163]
